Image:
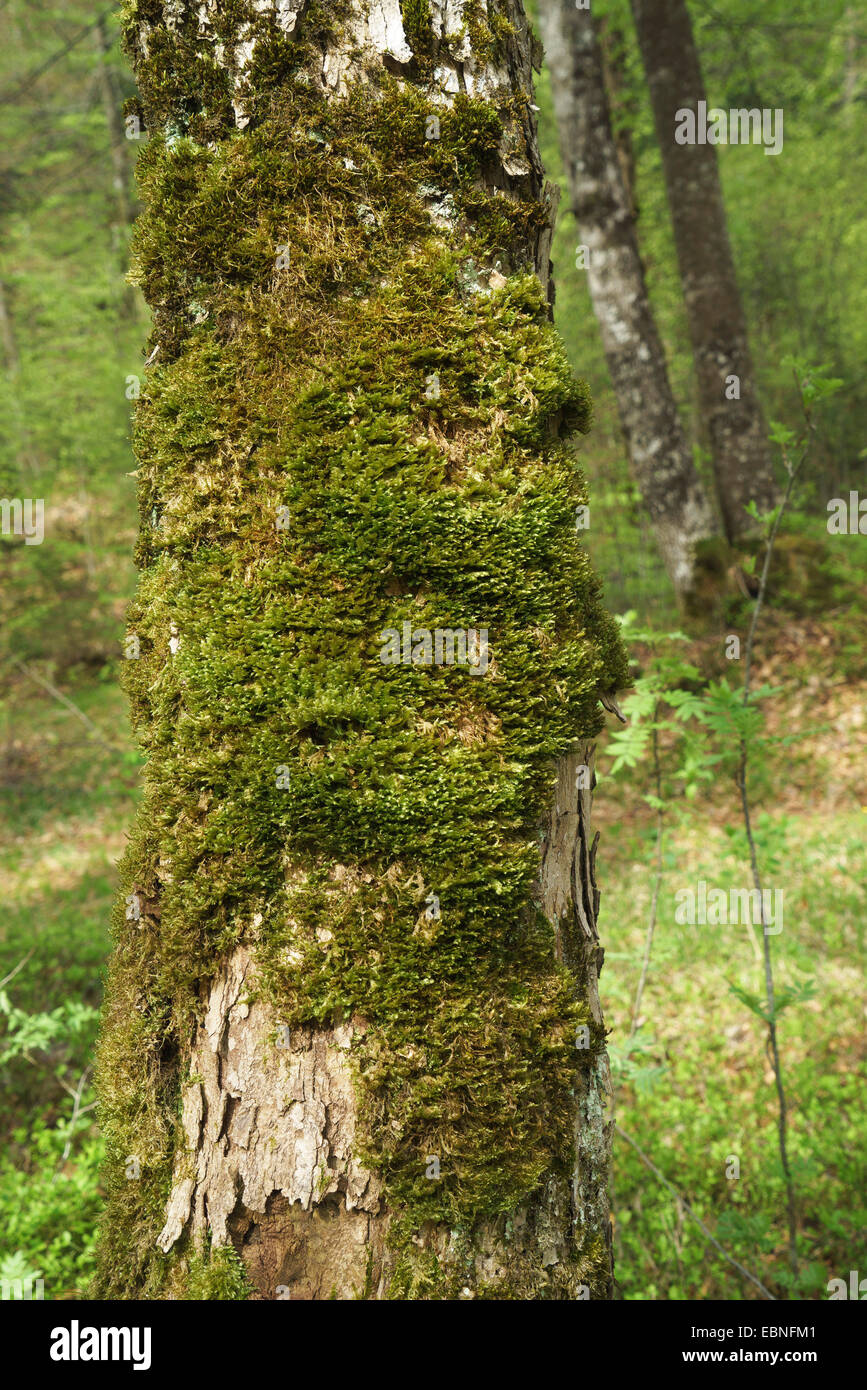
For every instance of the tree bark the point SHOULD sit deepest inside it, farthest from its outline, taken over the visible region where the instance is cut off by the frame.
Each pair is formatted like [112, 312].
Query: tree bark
[25, 455]
[736, 428]
[269, 1158]
[621, 102]
[660, 453]
[352, 1044]
[119, 151]
[114, 125]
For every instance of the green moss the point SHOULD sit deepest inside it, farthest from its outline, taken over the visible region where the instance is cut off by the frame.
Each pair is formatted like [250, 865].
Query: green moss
[489, 29]
[305, 386]
[217, 1274]
[418, 26]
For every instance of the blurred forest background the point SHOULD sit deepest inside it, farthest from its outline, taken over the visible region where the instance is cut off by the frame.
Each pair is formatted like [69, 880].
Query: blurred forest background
[694, 1083]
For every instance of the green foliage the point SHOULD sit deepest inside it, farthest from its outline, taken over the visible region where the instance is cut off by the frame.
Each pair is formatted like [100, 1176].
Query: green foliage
[628, 1065]
[733, 720]
[792, 994]
[49, 1200]
[35, 1032]
[51, 1207]
[713, 1100]
[670, 703]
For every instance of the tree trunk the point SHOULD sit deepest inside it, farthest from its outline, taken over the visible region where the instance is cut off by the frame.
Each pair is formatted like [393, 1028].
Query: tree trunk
[852, 63]
[658, 448]
[25, 456]
[621, 100]
[111, 103]
[736, 428]
[352, 1044]
[118, 146]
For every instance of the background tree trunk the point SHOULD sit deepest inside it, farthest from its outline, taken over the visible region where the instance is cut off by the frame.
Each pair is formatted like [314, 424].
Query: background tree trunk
[853, 62]
[736, 429]
[659, 450]
[622, 105]
[110, 95]
[24, 453]
[357, 953]
[111, 103]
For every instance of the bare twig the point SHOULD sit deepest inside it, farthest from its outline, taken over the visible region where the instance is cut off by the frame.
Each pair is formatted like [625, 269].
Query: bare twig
[69, 704]
[76, 1111]
[20, 966]
[697, 1219]
[651, 925]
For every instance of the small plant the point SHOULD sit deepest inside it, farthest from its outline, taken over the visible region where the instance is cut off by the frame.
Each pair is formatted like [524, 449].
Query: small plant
[49, 1180]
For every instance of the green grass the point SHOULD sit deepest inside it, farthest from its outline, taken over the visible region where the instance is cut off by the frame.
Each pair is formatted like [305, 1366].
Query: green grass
[704, 1090]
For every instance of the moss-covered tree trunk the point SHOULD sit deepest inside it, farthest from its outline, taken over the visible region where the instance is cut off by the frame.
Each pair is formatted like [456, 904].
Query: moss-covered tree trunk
[352, 1043]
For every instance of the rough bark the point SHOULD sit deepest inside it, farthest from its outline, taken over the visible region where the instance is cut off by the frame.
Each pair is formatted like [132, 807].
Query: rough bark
[621, 102]
[268, 1160]
[660, 453]
[300, 1145]
[736, 428]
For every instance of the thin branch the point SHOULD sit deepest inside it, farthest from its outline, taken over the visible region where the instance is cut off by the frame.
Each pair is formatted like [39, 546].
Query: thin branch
[70, 704]
[763, 582]
[76, 1111]
[651, 925]
[13, 93]
[792, 469]
[20, 966]
[697, 1219]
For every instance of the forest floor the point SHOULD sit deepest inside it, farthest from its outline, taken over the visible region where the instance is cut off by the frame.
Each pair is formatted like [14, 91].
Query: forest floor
[695, 1087]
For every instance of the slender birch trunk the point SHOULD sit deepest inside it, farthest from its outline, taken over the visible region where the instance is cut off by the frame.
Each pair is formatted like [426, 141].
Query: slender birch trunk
[25, 454]
[660, 453]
